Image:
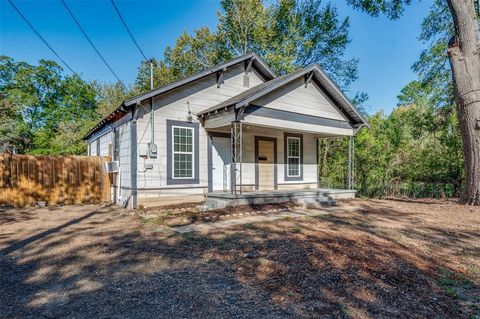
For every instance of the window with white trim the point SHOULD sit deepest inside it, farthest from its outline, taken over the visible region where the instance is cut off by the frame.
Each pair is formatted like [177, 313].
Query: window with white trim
[293, 156]
[182, 153]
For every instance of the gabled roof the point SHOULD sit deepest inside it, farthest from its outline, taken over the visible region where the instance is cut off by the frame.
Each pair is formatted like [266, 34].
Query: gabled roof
[323, 80]
[258, 63]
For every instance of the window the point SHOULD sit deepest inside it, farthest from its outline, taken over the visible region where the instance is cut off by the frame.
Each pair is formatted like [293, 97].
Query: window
[293, 157]
[182, 152]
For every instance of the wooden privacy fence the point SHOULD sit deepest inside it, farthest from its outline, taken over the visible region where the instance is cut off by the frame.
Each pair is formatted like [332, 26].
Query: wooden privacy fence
[27, 179]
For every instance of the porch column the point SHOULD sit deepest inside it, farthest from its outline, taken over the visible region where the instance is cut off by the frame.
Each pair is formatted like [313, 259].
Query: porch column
[237, 158]
[351, 162]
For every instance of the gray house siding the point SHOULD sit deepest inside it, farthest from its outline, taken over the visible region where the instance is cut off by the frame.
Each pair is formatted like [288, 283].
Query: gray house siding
[179, 105]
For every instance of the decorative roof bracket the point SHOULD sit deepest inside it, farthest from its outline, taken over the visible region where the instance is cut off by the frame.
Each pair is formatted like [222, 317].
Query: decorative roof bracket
[248, 65]
[308, 78]
[239, 113]
[220, 75]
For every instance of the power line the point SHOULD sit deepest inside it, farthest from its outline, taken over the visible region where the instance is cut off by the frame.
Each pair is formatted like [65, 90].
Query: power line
[128, 30]
[90, 41]
[135, 42]
[41, 38]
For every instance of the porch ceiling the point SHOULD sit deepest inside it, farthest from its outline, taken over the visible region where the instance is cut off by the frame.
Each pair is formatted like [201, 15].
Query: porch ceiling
[281, 120]
[294, 126]
[292, 129]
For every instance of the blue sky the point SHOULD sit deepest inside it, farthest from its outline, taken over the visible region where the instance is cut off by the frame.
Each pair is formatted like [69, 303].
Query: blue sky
[386, 49]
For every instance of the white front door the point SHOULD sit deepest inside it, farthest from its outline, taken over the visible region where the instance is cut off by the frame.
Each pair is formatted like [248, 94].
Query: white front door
[221, 163]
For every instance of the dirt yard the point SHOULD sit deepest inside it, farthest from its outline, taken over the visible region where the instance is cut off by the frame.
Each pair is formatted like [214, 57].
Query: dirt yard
[388, 259]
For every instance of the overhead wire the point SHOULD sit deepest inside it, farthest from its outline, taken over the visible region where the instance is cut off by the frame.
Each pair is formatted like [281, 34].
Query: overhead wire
[42, 38]
[90, 41]
[128, 30]
[151, 61]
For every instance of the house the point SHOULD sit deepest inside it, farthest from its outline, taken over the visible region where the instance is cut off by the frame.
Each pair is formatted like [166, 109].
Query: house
[235, 131]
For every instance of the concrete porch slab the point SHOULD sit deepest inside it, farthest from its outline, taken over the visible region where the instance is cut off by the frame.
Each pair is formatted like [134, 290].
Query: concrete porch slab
[321, 197]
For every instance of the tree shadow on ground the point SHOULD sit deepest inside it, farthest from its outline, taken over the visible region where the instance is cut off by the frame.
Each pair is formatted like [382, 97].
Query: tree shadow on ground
[105, 265]
[11, 215]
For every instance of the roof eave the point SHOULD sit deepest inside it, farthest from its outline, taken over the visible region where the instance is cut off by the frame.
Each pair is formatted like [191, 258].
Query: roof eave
[105, 120]
[127, 104]
[269, 73]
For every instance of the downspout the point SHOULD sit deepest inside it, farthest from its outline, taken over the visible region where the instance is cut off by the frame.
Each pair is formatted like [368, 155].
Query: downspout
[152, 117]
[133, 159]
[119, 186]
[152, 148]
[152, 122]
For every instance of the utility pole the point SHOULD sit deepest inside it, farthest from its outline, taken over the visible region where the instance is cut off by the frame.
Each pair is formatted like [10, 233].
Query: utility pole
[151, 74]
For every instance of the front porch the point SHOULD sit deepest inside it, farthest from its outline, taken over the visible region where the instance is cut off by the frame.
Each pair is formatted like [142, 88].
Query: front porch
[263, 143]
[314, 197]
[255, 165]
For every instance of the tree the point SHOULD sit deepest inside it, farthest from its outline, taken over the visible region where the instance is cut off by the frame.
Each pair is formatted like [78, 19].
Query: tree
[464, 57]
[190, 54]
[109, 96]
[288, 34]
[14, 133]
[43, 110]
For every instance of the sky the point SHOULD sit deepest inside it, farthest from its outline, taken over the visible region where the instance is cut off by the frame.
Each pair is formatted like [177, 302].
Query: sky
[386, 49]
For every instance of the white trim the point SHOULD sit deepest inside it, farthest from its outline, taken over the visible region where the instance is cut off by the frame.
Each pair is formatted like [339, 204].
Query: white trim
[299, 156]
[176, 152]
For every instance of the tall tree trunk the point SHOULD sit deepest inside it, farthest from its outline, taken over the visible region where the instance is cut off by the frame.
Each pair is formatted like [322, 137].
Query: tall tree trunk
[464, 55]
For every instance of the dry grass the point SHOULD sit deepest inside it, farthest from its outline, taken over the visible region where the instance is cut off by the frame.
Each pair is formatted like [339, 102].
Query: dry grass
[388, 259]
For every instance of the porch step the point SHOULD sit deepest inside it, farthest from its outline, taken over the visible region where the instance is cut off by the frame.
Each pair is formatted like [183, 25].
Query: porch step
[319, 202]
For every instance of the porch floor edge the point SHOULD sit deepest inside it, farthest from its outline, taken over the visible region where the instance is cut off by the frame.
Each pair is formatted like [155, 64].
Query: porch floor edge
[281, 193]
[321, 197]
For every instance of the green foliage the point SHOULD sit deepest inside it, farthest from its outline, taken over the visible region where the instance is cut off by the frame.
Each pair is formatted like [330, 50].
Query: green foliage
[391, 8]
[414, 149]
[433, 67]
[13, 131]
[288, 34]
[417, 149]
[110, 96]
[190, 54]
[46, 112]
[162, 74]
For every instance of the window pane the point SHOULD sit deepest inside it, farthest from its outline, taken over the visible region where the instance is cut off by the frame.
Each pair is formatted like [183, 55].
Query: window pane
[182, 165]
[182, 139]
[293, 147]
[293, 167]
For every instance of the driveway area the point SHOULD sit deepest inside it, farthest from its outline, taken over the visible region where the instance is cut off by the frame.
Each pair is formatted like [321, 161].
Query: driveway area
[383, 259]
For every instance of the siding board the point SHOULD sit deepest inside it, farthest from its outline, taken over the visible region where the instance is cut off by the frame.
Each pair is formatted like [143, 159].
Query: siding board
[294, 97]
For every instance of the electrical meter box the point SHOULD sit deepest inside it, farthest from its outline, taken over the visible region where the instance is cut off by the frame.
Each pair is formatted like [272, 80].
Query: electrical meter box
[143, 152]
[152, 150]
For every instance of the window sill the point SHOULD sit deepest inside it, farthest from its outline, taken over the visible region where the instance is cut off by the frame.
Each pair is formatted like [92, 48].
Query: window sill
[182, 181]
